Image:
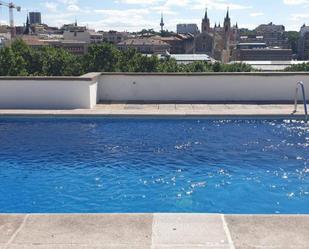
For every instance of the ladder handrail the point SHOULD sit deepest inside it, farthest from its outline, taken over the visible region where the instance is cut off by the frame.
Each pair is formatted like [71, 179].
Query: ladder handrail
[301, 85]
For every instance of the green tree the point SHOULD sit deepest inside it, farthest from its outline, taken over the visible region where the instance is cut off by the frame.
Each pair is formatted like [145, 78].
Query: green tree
[236, 67]
[11, 64]
[304, 67]
[59, 62]
[102, 57]
[32, 61]
[293, 37]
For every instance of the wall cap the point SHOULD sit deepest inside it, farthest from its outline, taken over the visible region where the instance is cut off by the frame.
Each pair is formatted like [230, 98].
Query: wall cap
[211, 74]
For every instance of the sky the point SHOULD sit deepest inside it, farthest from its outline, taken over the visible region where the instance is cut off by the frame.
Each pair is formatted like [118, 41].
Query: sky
[134, 15]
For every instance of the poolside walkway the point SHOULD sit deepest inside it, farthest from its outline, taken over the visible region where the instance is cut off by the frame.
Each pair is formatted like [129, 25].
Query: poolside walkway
[153, 231]
[208, 110]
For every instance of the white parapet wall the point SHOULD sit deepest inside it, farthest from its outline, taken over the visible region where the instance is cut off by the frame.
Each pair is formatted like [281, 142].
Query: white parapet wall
[48, 92]
[209, 87]
[86, 91]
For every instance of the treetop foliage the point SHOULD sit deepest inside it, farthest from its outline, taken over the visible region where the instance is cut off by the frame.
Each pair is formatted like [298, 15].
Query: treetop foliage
[304, 67]
[21, 60]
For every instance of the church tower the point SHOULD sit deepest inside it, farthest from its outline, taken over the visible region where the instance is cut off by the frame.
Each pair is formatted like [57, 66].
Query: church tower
[206, 23]
[27, 30]
[225, 54]
[227, 30]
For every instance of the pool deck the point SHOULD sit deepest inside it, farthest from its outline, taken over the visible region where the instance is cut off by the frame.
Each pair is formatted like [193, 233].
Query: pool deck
[153, 231]
[187, 110]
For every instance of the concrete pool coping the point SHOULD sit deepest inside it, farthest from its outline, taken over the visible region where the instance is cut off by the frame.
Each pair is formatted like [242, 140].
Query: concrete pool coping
[155, 231]
[175, 110]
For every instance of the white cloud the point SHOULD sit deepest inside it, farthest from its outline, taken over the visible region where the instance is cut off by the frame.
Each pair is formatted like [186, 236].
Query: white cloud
[3, 22]
[138, 2]
[73, 8]
[129, 19]
[299, 17]
[255, 14]
[218, 5]
[295, 2]
[50, 6]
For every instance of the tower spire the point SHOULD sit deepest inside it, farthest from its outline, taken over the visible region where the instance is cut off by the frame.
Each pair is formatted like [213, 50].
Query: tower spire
[206, 13]
[227, 13]
[162, 23]
[27, 30]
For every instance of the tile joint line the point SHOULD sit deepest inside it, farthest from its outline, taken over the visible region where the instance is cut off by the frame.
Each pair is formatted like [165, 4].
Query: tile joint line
[17, 231]
[227, 232]
[152, 231]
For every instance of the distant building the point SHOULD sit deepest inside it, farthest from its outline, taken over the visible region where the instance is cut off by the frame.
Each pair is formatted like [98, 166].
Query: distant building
[260, 52]
[73, 27]
[270, 65]
[273, 35]
[28, 30]
[145, 45]
[5, 37]
[256, 45]
[80, 33]
[4, 29]
[303, 46]
[74, 47]
[114, 37]
[87, 36]
[189, 58]
[180, 43]
[187, 29]
[217, 41]
[43, 29]
[33, 41]
[3, 40]
[35, 18]
[251, 38]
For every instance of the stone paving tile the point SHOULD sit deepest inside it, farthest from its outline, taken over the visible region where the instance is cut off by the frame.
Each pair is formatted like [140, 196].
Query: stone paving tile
[188, 231]
[186, 107]
[167, 107]
[110, 107]
[141, 107]
[269, 231]
[133, 230]
[8, 226]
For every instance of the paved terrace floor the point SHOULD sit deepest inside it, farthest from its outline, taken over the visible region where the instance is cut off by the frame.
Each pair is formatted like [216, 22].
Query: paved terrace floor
[153, 231]
[210, 110]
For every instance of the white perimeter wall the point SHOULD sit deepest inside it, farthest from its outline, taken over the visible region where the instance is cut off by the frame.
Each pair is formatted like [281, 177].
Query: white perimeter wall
[86, 91]
[256, 87]
[47, 94]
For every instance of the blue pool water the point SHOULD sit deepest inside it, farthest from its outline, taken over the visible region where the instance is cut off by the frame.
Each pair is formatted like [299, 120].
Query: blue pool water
[66, 165]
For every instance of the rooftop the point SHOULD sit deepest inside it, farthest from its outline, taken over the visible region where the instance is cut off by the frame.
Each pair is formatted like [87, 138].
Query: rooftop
[143, 41]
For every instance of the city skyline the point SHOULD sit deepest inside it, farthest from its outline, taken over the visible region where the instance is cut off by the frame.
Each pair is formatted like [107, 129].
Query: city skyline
[133, 15]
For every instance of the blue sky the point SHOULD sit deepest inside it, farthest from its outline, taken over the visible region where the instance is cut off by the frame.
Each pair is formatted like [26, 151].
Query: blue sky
[137, 14]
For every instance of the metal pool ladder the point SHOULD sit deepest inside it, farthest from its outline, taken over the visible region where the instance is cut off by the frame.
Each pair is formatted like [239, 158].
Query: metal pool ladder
[300, 85]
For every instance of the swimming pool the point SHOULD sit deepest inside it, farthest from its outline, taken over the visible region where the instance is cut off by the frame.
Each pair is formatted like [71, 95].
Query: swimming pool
[69, 165]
